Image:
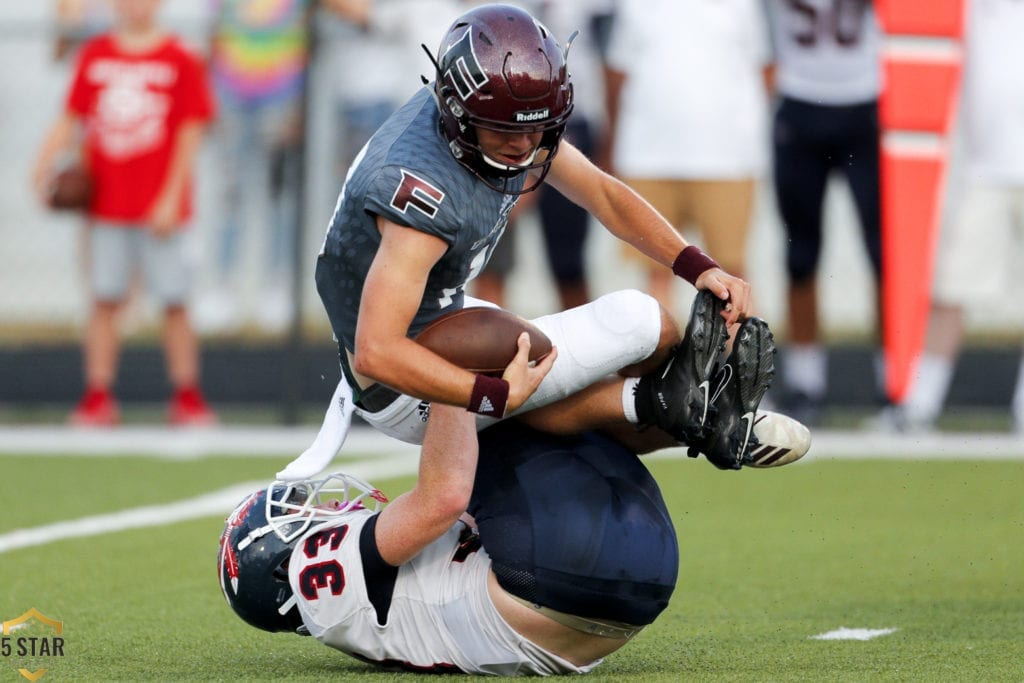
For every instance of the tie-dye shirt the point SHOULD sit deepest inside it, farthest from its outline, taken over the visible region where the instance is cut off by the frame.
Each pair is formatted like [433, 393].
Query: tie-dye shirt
[259, 49]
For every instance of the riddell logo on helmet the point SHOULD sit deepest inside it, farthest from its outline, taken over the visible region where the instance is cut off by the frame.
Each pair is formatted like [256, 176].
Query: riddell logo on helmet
[536, 115]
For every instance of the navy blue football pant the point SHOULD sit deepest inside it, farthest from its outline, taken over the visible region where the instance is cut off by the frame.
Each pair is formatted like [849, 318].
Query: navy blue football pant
[810, 141]
[576, 524]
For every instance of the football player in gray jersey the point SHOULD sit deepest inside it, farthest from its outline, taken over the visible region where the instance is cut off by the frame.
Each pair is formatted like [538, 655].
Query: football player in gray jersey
[423, 205]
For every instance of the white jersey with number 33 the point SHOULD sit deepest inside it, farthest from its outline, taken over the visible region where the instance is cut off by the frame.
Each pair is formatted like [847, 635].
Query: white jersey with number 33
[441, 616]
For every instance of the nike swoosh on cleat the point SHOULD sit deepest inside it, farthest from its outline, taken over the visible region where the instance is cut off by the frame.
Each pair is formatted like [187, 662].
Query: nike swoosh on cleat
[668, 366]
[712, 357]
[749, 419]
[705, 388]
[726, 374]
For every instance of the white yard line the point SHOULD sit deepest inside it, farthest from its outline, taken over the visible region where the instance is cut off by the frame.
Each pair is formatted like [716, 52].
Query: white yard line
[282, 442]
[930, 446]
[182, 444]
[843, 633]
[387, 458]
[215, 503]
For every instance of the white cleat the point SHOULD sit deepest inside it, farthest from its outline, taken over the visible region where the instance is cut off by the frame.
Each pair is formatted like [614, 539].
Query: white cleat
[780, 440]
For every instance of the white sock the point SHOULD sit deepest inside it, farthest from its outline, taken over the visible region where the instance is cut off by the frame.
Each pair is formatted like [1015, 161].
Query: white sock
[629, 399]
[805, 369]
[1018, 395]
[931, 384]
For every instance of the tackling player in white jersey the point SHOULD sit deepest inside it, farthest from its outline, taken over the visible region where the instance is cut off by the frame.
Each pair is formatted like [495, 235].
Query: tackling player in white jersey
[537, 582]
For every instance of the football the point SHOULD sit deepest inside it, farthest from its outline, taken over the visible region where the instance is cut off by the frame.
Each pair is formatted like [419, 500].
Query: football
[71, 189]
[482, 339]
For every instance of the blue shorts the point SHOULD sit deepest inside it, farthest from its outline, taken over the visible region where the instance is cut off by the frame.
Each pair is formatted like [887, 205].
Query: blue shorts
[576, 524]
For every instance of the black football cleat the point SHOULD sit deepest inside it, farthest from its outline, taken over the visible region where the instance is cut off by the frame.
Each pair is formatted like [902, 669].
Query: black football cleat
[677, 396]
[741, 383]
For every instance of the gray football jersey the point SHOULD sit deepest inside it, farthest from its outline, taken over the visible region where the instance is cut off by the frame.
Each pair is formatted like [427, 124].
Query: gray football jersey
[407, 174]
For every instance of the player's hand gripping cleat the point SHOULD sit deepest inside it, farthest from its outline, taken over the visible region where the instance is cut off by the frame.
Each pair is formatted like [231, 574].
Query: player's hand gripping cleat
[677, 396]
[741, 383]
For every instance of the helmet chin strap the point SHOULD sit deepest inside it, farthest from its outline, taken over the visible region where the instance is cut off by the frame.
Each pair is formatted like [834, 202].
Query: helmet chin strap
[287, 605]
[254, 535]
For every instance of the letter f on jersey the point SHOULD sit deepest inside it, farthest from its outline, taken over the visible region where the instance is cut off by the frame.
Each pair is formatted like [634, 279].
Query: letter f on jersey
[415, 192]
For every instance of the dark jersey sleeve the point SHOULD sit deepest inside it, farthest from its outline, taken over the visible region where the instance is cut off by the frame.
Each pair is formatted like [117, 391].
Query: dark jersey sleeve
[411, 197]
[380, 576]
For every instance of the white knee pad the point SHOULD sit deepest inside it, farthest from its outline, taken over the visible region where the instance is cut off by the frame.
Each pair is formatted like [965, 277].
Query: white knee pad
[596, 340]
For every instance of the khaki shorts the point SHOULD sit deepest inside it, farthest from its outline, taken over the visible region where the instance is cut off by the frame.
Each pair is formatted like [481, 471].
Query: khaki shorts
[719, 209]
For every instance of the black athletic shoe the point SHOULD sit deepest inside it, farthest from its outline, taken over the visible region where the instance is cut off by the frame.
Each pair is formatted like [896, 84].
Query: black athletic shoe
[677, 396]
[739, 387]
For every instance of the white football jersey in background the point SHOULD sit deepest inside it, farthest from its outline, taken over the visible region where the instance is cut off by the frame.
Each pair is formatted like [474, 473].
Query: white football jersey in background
[826, 51]
[993, 98]
[693, 104]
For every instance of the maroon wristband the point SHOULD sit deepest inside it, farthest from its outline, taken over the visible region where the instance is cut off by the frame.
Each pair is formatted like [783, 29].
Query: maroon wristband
[691, 263]
[490, 394]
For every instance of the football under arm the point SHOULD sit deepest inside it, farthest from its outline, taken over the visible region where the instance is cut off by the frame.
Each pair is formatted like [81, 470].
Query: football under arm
[441, 494]
[392, 295]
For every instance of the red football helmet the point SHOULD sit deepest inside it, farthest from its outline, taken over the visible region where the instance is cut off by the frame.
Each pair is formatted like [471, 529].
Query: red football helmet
[500, 69]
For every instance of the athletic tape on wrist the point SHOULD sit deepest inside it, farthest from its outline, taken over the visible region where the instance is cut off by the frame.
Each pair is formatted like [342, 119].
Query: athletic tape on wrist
[691, 263]
[489, 397]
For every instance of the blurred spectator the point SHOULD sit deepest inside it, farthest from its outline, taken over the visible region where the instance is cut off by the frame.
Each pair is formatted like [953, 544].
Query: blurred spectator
[564, 225]
[981, 252]
[143, 102]
[258, 57]
[77, 22]
[828, 78]
[689, 144]
[378, 55]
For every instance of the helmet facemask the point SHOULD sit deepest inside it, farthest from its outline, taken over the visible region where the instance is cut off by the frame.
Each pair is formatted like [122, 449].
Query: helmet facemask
[293, 507]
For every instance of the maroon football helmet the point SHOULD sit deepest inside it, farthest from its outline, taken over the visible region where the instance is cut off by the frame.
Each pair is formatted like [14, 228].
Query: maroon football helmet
[499, 68]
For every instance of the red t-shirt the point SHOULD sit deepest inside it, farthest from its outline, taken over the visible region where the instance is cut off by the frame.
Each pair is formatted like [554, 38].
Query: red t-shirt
[133, 105]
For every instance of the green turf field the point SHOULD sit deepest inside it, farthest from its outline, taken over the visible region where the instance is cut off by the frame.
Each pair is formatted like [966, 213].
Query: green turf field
[769, 558]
